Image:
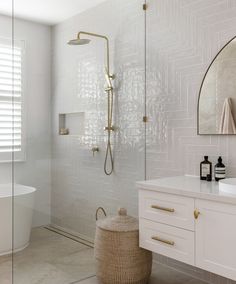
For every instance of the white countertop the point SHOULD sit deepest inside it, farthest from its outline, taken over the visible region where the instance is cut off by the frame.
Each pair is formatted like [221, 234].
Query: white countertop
[189, 186]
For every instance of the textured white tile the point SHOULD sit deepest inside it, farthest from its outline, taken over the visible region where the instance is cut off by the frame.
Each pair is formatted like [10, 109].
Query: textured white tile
[183, 37]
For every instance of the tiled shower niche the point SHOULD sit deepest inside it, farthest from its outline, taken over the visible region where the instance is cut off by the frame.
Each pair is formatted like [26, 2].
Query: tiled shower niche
[71, 123]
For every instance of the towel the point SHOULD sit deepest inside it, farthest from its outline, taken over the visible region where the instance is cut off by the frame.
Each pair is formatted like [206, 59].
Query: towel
[227, 124]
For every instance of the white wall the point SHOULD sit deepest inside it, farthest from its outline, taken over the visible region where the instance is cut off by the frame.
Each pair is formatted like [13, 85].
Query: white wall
[79, 182]
[183, 37]
[35, 171]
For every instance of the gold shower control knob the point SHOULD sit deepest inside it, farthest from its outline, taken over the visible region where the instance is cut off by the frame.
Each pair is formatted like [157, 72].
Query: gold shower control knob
[95, 150]
[196, 213]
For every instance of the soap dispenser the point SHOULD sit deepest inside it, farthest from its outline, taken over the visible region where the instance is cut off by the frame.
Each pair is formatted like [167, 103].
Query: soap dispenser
[206, 169]
[220, 170]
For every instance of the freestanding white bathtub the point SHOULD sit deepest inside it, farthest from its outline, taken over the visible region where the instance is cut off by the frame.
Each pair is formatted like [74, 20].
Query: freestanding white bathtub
[15, 229]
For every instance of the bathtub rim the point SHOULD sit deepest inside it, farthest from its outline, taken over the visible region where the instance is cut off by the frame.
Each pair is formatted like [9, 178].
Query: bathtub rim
[20, 190]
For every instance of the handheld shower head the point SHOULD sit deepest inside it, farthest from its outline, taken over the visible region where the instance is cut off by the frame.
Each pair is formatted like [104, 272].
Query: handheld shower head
[79, 41]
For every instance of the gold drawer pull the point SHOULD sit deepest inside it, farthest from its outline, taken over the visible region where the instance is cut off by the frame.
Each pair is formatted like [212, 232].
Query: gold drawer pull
[171, 243]
[163, 208]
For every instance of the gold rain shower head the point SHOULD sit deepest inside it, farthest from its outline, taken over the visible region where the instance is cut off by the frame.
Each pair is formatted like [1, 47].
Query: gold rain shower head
[79, 41]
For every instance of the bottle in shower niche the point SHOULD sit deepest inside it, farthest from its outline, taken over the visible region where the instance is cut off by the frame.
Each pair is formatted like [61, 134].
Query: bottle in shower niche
[206, 169]
[220, 170]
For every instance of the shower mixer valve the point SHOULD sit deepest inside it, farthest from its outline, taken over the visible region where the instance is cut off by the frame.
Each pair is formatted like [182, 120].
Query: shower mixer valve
[95, 150]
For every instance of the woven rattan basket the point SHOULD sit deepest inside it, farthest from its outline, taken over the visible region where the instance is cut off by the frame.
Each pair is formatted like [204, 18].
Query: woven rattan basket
[120, 260]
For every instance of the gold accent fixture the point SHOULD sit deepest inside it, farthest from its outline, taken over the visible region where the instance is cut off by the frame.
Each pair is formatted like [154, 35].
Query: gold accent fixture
[107, 46]
[196, 214]
[108, 89]
[94, 150]
[163, 208]
[156, 238]
[64, 131]
[108, 169]
[144, 7]
[112, 76]
[145, 119]
[109, 128]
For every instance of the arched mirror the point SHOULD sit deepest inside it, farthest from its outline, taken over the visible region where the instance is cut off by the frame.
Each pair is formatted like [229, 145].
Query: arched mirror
[217, 97]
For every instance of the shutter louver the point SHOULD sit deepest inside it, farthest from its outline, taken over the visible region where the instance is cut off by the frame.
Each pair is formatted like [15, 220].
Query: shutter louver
[10, 99]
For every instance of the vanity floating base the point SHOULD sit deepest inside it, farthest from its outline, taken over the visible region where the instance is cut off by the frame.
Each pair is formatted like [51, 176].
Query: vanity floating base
[191, 221]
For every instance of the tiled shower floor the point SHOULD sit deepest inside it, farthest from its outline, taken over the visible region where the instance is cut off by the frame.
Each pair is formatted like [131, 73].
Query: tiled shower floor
[50, 259]
[54, 259]
[161, 274]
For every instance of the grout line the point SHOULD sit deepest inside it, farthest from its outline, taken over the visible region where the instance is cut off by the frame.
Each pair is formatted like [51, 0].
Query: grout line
[83, 279]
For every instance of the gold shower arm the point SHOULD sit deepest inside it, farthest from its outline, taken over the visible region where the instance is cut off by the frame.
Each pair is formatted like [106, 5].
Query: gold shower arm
[107, 45]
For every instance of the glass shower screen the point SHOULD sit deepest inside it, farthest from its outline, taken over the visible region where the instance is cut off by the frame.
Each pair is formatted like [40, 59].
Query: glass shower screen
[6, 141]
[62, 127]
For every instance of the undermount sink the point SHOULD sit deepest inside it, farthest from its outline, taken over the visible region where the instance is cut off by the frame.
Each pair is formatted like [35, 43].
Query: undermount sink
[228, 185]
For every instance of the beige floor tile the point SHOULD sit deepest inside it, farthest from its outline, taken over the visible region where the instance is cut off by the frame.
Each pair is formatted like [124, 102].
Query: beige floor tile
[92, 280]
[81, 263]
[6, 270]
[161, 275]
[38, 273]
[55, 259]
[197, 281]
[164, 275]
[48, 250]
[49, 259]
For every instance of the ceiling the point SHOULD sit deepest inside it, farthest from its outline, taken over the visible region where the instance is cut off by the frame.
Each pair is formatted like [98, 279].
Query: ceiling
[49, 12]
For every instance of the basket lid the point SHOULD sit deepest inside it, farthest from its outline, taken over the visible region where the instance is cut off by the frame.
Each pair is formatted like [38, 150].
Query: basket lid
[120, 223]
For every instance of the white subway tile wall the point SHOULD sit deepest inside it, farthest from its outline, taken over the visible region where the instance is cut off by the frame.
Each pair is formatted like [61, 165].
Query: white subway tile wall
[79, 184]
[183, 37]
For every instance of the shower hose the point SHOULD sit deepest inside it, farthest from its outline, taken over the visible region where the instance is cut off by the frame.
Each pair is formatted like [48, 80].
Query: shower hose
[109, 156]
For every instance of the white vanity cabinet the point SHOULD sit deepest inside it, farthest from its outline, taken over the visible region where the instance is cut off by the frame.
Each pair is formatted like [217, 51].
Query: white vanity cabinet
[191, 221]
[216, 238]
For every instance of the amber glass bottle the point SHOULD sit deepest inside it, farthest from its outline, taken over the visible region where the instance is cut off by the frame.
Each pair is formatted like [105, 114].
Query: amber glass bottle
[206, 169]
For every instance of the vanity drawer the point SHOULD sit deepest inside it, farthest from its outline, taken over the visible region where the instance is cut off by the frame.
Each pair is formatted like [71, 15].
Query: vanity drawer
[167, 208]
[166, 240]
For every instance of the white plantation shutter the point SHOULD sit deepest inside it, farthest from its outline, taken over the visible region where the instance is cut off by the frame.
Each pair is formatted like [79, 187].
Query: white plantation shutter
[11, 128]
